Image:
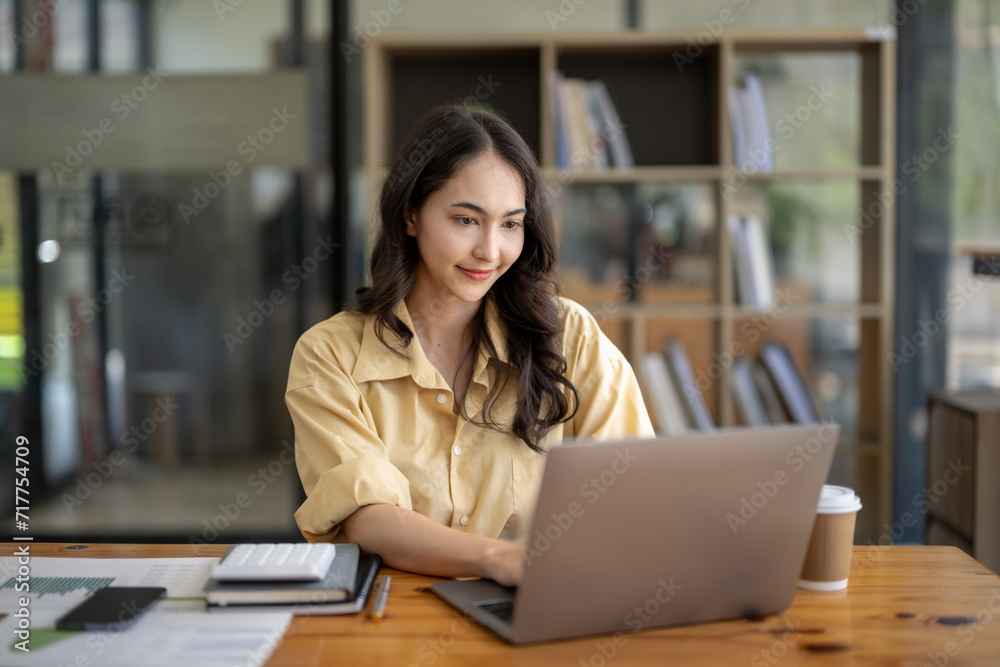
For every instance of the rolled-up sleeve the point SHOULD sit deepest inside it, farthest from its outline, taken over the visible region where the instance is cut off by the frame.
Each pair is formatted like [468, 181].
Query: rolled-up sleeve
[610, 401]
[611, 404]
[341, 461]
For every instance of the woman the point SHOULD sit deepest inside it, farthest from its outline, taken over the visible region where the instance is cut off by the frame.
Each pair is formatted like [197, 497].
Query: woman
[422, 418]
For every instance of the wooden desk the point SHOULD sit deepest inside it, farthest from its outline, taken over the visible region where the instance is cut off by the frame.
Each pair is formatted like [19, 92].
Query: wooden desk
[906, 605]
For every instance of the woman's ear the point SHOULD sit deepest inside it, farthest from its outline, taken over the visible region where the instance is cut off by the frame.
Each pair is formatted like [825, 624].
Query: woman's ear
[410, 215]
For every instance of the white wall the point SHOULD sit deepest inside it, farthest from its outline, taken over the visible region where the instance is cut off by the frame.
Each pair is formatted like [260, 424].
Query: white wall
[195, 36]
[680, 15]
[191, 36]
[491, 15]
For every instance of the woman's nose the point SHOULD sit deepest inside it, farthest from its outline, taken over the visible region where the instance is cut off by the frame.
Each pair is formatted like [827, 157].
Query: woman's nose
[487, 248]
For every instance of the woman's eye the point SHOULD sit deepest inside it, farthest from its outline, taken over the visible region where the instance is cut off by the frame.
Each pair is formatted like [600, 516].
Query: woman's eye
[467, 221]
[511, 224]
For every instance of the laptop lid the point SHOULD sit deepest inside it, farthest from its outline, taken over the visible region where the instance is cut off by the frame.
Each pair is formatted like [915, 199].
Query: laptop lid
[637, 534]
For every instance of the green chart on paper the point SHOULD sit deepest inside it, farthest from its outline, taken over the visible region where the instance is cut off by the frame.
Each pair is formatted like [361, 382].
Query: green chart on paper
[61, 585]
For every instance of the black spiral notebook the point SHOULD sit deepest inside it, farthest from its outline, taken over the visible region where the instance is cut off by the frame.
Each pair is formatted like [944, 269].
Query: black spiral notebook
[368, 568]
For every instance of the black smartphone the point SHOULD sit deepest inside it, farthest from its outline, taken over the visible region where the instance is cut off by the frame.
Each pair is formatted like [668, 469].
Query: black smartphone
[110, 608]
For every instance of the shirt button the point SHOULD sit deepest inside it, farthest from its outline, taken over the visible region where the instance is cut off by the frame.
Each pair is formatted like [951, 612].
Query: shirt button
[457, 450]
[442, 398]
[464, 520]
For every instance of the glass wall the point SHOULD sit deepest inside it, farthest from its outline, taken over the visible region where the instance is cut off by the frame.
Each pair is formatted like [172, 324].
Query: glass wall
[169, 297]
[11, 316]
[974, 300]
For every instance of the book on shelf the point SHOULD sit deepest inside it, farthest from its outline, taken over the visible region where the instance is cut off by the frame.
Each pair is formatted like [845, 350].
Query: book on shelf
[749, 405]
[588, 129]
[338, 585]
[789, 382]
[663, 395]
[557, 88]
[753, 144]
[768, 394]
[690, 393]
[578, 126]
[758, 238]
[741, 259]
[759, 149]
[612, 129]
[595, 125]
[738, 124]
[753, 260]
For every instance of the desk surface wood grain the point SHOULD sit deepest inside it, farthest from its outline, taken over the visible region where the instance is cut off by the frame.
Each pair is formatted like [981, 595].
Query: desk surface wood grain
[906, 605]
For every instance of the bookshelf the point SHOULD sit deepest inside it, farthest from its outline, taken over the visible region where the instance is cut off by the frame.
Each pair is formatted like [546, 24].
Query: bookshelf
[679, 128]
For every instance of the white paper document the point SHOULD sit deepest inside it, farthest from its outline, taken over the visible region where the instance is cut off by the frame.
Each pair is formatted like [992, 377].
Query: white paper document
[156, 639]
[174, 632]
[61, 583]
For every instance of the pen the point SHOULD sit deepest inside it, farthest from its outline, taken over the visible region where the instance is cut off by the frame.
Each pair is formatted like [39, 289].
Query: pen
[381, 597]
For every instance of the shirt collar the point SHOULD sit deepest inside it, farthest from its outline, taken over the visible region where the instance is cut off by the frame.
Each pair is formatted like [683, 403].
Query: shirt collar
[377, 362]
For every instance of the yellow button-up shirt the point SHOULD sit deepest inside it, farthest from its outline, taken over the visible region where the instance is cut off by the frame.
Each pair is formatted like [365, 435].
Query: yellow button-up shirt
[374, 426]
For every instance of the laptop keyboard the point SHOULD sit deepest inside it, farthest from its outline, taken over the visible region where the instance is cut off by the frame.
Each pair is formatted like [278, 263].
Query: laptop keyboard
[503, 610]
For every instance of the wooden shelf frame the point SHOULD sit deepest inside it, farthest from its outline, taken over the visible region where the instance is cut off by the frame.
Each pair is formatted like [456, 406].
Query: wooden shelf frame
[874, 173]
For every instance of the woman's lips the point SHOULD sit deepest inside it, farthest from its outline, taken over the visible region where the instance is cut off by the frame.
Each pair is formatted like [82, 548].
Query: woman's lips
[477, 274]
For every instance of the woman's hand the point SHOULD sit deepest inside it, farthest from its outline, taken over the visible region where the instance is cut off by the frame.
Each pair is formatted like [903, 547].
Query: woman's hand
[505, 564]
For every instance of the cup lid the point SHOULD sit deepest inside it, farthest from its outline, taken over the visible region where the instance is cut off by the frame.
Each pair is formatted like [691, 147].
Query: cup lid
[837, 500]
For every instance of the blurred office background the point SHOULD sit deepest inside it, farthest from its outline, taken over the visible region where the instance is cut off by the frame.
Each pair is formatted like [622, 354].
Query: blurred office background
[150, 299]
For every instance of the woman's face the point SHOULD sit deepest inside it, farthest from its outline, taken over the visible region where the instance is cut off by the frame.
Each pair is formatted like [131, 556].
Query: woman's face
[470, 231]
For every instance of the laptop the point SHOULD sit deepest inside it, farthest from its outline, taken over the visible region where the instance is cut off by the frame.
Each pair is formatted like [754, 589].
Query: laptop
[645, 533]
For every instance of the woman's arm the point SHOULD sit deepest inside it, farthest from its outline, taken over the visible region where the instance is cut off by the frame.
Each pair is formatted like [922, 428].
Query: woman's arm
[409, 541]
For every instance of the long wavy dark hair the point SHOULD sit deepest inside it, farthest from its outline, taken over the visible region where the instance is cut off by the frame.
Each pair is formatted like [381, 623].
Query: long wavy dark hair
[443, 140]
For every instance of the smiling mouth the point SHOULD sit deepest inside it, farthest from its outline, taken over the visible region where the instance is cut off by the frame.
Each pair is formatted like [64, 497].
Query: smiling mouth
[477, 274]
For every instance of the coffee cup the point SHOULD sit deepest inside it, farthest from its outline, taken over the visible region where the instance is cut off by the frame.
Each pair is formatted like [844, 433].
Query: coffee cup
[828, 559]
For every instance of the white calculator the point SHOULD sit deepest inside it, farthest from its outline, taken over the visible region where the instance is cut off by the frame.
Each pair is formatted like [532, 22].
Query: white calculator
[292, 561]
